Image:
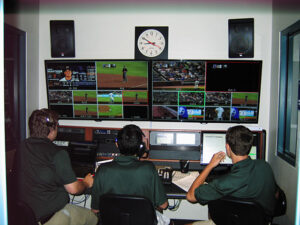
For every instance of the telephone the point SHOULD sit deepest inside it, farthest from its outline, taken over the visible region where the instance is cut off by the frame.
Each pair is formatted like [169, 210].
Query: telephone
[165, 174]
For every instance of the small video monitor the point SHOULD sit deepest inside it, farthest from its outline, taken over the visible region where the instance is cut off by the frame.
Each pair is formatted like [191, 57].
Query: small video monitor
[185, 138]
[177, 139]
[175, 145]
[164, 138]
[253, 152]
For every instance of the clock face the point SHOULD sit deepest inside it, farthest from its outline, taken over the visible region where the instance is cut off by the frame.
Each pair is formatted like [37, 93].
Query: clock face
[151, 43]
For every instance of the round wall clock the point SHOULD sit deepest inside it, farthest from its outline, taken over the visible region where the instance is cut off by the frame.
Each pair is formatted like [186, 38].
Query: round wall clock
[151, 43]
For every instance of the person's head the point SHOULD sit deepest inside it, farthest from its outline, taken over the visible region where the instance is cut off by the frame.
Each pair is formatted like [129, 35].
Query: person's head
[41, 122]
[68, 73]
[130, 140]
[240, 140]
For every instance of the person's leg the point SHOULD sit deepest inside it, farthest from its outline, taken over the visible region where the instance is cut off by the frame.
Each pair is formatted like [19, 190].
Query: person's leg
[73, 215]
[82, 216]
[61, 217]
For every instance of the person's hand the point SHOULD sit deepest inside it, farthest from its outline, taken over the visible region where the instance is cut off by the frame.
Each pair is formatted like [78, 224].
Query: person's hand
[88, 180]
[217, 158]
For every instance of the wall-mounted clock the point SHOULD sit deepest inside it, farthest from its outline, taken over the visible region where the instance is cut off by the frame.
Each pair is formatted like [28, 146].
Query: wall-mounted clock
[151, 42]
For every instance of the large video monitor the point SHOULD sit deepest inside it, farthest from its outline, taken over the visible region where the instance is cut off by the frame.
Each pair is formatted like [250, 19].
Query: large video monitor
[206, 91]
[98, 89]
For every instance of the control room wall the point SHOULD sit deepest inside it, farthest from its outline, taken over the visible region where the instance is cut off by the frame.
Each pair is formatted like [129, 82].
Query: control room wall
[286, 174]
[196, 31]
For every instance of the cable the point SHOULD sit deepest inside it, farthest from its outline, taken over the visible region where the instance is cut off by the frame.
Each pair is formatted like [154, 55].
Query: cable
[175, 205]
[82, 200]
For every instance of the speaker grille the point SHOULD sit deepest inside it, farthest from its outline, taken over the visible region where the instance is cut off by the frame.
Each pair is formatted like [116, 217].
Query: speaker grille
[62, 38]
[241, 38]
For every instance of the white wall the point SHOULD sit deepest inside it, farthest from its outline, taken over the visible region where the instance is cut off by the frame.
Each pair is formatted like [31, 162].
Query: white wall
[197, 31]
[286, 175]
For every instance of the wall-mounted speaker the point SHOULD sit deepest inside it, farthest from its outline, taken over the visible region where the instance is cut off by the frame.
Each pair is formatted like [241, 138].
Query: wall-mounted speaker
[241, 38]
[62, 38]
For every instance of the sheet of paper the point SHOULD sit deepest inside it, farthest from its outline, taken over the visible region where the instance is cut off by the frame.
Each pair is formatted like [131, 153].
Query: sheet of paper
[186, 181]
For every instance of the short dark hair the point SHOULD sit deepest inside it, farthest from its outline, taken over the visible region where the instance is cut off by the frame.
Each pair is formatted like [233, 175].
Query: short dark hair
[129, 139]
[239, 139]
[40, 122]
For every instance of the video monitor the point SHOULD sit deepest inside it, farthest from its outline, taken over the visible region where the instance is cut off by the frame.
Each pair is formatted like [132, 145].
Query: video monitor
[223, 91]
[174, 138]
[175, 145]
[213, 142]
[98, 89]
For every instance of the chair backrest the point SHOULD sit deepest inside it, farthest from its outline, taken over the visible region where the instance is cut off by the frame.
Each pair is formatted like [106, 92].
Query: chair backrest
[24, 214]
[126, 210]
[232, 211]
[281, 204]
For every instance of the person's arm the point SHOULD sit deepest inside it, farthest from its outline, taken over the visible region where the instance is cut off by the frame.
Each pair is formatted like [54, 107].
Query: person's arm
[163, 206]
[78, 186]
[95, 211]
[215, 160]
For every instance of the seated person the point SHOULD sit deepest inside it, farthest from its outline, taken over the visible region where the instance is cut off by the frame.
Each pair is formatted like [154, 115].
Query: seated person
[45, 176]
[247, 179]
[126, 174]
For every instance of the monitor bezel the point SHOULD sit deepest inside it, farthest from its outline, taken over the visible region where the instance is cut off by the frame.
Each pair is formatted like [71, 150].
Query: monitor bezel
[150, 106]
[204, 121]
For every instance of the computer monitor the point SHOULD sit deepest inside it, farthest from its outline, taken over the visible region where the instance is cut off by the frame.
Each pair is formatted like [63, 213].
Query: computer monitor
[213, 142]
[253, 152]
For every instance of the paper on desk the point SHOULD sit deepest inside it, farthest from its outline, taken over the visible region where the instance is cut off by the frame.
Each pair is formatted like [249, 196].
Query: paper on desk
[186, 182]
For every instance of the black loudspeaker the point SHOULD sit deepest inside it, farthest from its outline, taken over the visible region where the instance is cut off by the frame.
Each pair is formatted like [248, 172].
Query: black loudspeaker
[241, 38]
[62, 38]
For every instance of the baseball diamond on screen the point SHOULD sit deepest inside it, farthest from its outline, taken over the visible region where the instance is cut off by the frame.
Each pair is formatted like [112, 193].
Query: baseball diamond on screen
[122, 75]
[110, 111]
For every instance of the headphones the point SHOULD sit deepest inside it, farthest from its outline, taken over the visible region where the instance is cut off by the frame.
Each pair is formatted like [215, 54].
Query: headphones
[143, 149]
[49, 123]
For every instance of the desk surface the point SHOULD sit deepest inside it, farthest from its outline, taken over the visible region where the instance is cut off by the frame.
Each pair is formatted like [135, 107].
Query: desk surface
[174, 192]
[179, 191]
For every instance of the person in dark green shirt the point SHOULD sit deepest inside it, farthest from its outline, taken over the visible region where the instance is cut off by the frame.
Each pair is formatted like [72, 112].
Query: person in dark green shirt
[247, 178]
[126, 174]
[45, 176]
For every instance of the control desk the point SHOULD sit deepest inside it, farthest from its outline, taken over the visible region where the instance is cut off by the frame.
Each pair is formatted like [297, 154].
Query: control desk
[167, 148]
[171, 151]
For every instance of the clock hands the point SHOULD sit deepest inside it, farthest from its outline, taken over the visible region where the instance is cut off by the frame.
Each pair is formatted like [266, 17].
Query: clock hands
[151, 43]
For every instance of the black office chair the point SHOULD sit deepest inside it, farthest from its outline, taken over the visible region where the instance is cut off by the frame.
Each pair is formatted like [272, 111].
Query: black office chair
[232, 211]
[126, 210]
[24, 214]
